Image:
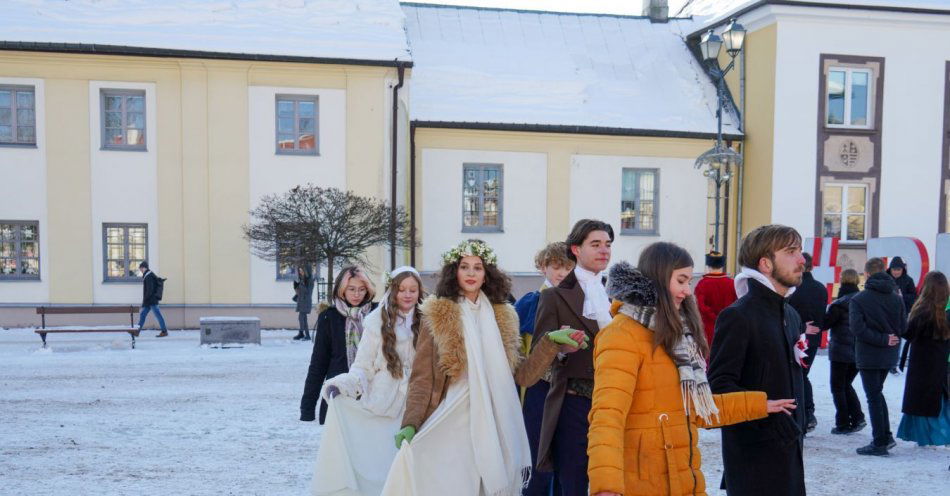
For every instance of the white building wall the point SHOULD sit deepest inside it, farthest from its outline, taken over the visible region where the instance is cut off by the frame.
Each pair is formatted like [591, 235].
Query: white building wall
[24, 196]
[916, 49]
[523, 208]
[273, 174]
[124, 190]
[596, 192]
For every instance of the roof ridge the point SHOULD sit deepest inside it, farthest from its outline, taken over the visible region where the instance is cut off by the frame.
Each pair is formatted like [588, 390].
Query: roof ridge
[530, 11]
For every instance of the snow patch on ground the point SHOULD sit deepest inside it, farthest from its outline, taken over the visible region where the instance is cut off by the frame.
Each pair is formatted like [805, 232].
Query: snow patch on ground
[88, 415]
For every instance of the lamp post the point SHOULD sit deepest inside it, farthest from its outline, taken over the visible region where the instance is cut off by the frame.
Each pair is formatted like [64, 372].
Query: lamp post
[720, 162]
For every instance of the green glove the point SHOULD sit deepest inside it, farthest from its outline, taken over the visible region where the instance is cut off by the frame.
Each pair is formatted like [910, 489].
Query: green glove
[407, 433]
[563, 336]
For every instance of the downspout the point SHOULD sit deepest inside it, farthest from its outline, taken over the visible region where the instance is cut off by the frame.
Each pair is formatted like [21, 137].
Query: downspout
[412, 194]
[739, 178]
[393, 172]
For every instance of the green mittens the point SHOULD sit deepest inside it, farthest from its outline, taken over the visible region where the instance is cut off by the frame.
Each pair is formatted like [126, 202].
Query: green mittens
[405, 434]
[567, 337]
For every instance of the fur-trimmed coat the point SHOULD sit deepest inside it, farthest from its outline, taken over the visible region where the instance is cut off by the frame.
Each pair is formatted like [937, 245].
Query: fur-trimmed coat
[441, 356]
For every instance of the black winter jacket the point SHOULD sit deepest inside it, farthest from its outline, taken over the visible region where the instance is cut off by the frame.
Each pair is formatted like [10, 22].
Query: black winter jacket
[875, 314]
[149, 289]
[752, 350]
[840, 339]
[926, 385]
[810, 300]
[908, 290]
[328, 360]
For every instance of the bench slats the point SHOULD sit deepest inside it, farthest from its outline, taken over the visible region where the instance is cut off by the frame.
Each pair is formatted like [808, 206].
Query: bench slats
[85, 310]
[130, 330]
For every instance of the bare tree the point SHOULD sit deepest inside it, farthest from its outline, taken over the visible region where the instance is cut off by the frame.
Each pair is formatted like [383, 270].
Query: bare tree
[310, 225]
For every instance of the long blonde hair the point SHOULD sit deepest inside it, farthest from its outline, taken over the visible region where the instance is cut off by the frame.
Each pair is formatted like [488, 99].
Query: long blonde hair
[390, 316]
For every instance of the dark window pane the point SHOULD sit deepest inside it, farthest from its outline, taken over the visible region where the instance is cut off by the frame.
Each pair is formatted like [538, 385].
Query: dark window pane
[7, 249]
[135, 103]
[113, 102]
[30, 266]
[7, 266]
[306, 109]
[26, 134]
[306, 125]
[285, 141]
[836, 97]
[6, 133]
[6, 98]
[856, 227]
[114, 137]
[24, 99]
[859, 98]
[7, 232]
[28, 233]
[285, 108]
[25, 117]
[29, 249]
[285, 125]
[6, 117]
[113, 119]
[831, 226]
[135, 120]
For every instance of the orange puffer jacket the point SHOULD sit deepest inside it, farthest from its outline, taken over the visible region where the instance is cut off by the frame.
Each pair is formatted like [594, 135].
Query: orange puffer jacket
[640, 441]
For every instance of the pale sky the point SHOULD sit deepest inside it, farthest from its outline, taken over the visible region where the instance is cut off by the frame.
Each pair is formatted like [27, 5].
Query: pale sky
[625, 7]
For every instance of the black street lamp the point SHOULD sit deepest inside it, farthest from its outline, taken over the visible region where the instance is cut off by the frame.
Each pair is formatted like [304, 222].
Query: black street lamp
[720, 162]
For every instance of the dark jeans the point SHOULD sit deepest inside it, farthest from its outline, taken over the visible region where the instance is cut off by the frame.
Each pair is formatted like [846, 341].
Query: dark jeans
[847, 405]
[158, 315]
[541, 482]
[569, 448]
[302, 318]
[873, 381]
[811, 352]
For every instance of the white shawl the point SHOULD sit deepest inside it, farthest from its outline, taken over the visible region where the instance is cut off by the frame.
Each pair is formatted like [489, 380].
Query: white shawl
[596, 301]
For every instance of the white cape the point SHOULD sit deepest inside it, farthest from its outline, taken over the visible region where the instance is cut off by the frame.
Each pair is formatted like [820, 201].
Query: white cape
[355, 452]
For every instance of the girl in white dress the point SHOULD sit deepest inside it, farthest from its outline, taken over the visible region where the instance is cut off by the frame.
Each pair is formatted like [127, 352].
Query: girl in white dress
[367, 403]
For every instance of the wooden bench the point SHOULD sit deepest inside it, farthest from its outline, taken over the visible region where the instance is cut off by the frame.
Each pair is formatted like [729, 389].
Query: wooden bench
[132, 329]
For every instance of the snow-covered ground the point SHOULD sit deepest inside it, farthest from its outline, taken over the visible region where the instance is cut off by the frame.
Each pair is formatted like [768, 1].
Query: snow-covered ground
[91, 416]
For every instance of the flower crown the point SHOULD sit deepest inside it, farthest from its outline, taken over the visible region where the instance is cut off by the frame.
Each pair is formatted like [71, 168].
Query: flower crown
[470, 249]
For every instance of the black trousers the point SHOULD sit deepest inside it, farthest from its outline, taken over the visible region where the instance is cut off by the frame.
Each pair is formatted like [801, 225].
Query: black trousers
[302, 318]
[873, 382]
[814, 341]
[847, 405]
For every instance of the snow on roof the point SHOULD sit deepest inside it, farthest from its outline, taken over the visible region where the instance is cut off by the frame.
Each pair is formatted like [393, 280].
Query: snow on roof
[479, 65]
[714, 10]
[340, 29]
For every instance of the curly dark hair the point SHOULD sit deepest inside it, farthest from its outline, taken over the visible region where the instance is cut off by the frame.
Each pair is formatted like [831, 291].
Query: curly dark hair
[497, 284]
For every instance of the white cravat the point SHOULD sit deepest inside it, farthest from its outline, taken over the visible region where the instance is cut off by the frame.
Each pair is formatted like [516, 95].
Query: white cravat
[596, 302]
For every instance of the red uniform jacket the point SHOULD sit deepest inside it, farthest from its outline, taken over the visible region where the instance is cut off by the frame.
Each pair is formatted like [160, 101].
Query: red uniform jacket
[714, 292]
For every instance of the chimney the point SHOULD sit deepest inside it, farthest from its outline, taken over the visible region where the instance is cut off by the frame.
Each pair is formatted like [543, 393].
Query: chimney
[656, 10]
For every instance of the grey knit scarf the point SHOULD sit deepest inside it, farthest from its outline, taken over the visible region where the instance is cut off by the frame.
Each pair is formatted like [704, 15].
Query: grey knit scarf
[689, 363]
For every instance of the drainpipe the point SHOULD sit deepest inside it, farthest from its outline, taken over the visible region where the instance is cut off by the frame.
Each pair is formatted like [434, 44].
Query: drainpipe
[739, 178]
[412, 194]
[394, 165]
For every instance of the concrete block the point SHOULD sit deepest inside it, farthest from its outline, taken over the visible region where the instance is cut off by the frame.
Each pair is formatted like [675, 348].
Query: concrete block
[230, 330]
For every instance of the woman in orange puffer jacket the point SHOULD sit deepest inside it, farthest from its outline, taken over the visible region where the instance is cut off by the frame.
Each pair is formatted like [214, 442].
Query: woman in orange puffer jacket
[650, 387]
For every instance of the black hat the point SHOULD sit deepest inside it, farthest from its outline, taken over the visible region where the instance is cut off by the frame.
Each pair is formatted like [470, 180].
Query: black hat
[143, 265]
[715, 260]
[897, 263]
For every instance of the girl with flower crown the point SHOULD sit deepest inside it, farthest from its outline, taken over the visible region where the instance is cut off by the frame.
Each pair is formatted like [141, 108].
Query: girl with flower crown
[367, 403]
[462, 429]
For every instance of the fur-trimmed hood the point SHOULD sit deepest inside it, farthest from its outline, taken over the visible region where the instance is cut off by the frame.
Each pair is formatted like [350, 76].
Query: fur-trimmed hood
[443, 317]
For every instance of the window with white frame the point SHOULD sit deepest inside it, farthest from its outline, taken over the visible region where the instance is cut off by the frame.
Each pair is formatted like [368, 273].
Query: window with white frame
[124, 247]
[17, 115]
[482, 191]
[123, 119]
[848, 98]
[19, 250]
[638, 201]
[297, 124]
[845, 212]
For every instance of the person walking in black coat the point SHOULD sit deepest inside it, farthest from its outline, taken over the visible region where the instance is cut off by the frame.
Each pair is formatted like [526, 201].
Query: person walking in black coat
[926, 406]
[150, 298]
[810, 300]
[905, 288]
[848, 415]
[303, 295]
[877, 318]
[339, 329]
[754, 350]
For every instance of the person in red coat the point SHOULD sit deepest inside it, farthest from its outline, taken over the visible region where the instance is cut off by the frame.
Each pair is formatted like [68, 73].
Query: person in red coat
[714, 292]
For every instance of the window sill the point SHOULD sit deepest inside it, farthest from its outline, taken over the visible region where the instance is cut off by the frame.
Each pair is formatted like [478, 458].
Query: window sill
[118, 149]
[640, 233]
[476, 230]
[19, 145]
[849, 129]
[137, 280]
[20, 279]
[296, 154]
